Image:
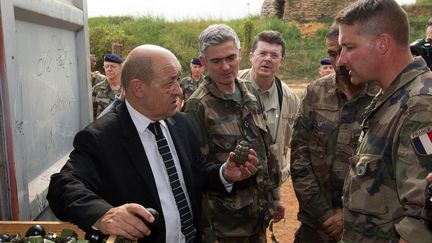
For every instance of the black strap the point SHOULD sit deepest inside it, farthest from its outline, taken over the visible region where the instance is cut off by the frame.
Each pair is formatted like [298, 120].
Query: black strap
[279, 89]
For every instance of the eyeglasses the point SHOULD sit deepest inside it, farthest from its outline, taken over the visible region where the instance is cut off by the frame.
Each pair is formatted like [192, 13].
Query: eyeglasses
[263, 54]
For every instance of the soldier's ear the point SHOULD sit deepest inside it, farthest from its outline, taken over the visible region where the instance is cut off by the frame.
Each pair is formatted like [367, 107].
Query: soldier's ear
[203, 61]
[383, 43]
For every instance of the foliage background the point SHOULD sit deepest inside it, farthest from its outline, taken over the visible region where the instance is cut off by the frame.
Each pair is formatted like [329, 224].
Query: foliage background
[181, 37]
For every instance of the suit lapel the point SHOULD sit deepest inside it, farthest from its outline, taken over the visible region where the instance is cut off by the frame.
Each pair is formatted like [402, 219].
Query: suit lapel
[133, 145]
[177, 136]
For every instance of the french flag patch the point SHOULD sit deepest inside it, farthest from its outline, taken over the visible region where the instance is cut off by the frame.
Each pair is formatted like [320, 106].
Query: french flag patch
[422, 141]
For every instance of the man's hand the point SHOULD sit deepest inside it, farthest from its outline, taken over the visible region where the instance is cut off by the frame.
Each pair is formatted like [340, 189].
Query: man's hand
[333, 226]
[429, 178]
[233, 173]
[123, 221]
[279, 213]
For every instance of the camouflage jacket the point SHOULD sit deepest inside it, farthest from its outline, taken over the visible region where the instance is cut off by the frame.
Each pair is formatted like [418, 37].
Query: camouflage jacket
[285, 122]
[221, 123]
[96, 77]
[325, 136]
[385, 188]
[189, 85]
[102, 97]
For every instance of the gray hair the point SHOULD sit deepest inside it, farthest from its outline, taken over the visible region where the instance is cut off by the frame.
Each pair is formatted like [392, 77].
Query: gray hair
[216, 34]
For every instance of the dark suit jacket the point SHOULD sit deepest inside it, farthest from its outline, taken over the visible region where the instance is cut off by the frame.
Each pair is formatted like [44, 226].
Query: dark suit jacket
[108, 167]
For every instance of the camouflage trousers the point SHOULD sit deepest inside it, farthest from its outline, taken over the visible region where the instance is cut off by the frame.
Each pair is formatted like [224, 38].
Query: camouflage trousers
[307, 234]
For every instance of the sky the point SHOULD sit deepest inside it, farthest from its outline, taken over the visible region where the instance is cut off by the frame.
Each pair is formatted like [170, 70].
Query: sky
[180, 9]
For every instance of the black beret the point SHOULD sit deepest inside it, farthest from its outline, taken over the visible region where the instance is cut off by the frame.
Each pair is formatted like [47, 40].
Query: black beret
[325, 61]
[196, 61]
[112, 58]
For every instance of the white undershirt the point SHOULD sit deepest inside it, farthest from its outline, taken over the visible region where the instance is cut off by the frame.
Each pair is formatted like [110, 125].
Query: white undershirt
[169, 207]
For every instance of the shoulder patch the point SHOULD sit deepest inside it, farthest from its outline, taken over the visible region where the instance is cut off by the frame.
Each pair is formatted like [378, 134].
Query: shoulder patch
[422, 141]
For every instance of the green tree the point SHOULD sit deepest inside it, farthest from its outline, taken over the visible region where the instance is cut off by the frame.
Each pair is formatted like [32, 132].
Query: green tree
[181, 37]
[423, 1]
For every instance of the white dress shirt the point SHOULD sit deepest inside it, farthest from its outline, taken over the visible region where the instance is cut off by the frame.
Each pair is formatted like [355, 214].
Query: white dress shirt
[169, 206]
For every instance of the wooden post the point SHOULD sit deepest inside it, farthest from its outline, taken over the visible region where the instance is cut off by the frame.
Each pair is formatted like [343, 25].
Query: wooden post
[117, 48]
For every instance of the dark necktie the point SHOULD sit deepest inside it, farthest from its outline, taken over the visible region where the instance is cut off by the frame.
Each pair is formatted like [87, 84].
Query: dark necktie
[186, 219]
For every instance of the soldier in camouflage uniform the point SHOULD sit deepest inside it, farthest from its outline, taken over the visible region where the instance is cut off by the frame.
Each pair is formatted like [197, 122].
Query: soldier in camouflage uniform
[105, 92]
[96, 76]
[325, 136]
[226, 111]
[190, 83]
[279, 101]
[384, 192]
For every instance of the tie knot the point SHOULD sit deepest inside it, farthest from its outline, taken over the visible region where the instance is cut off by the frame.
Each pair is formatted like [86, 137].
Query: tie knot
[154, 127]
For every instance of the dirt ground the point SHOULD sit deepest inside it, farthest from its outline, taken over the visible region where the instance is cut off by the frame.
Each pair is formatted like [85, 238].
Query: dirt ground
[285, 229]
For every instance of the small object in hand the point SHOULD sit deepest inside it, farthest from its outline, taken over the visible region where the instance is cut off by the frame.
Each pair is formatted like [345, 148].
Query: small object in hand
[155, 216]
[241, 153]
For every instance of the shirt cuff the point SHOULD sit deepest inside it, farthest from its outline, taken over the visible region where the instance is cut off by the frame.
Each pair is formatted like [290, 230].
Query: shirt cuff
[228, 186]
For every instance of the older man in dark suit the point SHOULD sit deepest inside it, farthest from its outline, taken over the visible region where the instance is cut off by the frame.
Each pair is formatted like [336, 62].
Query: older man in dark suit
[142, 155]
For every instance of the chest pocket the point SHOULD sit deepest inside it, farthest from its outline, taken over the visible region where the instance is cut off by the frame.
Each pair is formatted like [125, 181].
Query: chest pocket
[323, 118]
[365, 186]
[223, 139]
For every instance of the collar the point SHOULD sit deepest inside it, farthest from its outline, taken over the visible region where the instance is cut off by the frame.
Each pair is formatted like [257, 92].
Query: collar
[197, 80]
[269, 97]
[246, 74]
[417, 67]
[269, 91]
[140, 121]
[407, 75]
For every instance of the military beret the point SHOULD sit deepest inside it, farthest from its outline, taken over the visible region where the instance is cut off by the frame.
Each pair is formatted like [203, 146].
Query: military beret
[196, 61]
[325, 61]
[112, 58]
